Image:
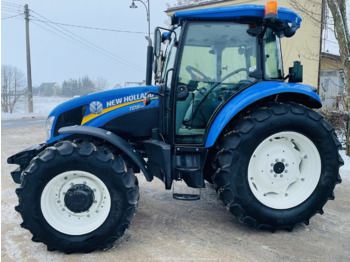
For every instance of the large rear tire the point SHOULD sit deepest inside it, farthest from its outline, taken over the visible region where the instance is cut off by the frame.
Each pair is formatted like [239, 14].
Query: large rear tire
[277, 167]
[77, 197]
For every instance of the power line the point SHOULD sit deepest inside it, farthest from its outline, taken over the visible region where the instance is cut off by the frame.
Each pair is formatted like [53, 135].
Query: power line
[89, 44]
[4, 8]
[65, 36]
[52, 32]
[90, 27]
[10, 4]
[93, 46]
[10, 17]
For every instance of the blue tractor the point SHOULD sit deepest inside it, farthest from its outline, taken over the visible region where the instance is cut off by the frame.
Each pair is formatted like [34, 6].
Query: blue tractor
[221, 110]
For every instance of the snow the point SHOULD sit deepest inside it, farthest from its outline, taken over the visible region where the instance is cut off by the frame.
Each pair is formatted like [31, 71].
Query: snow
[42, 107]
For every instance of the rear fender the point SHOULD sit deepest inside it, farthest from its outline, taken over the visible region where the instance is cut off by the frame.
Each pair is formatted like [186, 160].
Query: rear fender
[298, 93]
[115, 140]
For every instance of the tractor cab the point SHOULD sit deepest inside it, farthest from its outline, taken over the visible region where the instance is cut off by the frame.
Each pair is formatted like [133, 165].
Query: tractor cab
[208, 57]
[201, 63]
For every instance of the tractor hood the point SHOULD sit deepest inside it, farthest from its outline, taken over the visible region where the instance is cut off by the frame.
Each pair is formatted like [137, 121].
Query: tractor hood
[98, 108]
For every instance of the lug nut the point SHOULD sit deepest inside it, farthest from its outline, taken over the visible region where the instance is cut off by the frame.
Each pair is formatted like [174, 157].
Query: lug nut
[65, 178]
[271, 171]
[275, 175]
[281, 175]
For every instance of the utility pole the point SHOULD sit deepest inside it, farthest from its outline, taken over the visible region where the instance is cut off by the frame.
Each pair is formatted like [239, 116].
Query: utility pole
[29, 68]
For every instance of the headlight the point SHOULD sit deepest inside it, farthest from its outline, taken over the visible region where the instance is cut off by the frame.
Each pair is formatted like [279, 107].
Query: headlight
[49, 123]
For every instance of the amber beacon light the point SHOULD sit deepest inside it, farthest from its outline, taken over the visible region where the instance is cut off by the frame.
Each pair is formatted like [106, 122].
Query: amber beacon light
[271, 9]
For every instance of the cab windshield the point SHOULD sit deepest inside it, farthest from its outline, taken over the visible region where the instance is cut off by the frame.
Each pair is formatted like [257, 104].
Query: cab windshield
[218, 59]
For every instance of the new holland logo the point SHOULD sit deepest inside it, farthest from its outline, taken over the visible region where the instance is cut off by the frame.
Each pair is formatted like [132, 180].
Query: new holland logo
[96, 107]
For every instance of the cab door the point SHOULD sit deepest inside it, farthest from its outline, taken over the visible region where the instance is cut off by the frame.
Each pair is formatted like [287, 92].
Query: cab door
[216, 60]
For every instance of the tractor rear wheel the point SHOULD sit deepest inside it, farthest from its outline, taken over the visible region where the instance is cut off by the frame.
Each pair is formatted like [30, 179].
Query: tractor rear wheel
[277, 167]
[77, 197]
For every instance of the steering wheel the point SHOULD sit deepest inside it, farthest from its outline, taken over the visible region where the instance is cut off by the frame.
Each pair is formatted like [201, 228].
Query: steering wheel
[212, 88]
[233, 73]
[192, 70]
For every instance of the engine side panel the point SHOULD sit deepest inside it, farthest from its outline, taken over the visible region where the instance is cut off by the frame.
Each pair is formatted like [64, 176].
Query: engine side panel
[135, 124]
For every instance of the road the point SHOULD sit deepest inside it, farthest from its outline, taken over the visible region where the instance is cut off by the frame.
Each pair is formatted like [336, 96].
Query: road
[168, 230]
[27, 122]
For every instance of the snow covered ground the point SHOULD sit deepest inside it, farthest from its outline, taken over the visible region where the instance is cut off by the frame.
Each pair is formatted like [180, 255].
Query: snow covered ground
[44, 105]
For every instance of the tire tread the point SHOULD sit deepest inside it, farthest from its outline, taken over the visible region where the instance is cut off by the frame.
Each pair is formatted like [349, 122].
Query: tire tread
[242, 127]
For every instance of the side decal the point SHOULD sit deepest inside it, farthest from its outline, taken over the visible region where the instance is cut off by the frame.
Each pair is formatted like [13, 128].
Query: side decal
[95, 105]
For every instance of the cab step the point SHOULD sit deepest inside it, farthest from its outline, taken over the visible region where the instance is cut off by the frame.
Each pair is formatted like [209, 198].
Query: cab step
[186, 197]
[182, 192]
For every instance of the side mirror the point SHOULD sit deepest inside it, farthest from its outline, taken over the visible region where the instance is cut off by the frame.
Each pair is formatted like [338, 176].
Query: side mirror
[182, 92]
[157, 42]
[296, 73]
[290, 31]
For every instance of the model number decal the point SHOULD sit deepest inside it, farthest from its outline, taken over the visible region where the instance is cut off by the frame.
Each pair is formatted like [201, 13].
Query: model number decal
[136, 107]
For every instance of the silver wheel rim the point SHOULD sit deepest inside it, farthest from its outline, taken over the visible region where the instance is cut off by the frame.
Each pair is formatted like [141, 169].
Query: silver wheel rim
[284, 170]
[63, 219]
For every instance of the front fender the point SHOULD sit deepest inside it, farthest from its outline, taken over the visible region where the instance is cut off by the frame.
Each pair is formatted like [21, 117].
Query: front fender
[261, 90]
[114, 140]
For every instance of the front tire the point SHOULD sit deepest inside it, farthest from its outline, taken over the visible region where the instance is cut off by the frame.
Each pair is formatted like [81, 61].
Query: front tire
[278, 166]
[77, 197]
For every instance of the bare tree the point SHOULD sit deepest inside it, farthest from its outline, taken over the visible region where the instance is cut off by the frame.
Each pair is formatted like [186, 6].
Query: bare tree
[341, 30]
[340, 27]
[12, 87]
[101, 84]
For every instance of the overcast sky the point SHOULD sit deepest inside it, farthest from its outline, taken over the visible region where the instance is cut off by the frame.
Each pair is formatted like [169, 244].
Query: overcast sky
[115, 56]
[55, 54]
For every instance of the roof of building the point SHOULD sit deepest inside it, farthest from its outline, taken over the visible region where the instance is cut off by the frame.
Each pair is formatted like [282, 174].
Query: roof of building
[195, 4]
[330, 56]
[48, 85]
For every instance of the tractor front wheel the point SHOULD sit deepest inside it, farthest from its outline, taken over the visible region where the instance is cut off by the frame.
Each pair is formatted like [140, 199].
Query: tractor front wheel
[278, 166]
[77, 197]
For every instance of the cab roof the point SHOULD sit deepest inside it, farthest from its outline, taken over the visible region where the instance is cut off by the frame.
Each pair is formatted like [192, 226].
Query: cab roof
[236, 13]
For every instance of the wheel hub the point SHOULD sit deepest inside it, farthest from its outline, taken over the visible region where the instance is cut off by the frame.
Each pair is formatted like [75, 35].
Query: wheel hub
[79, 198]
[278, 168]
[284, 170]
[75, 202]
